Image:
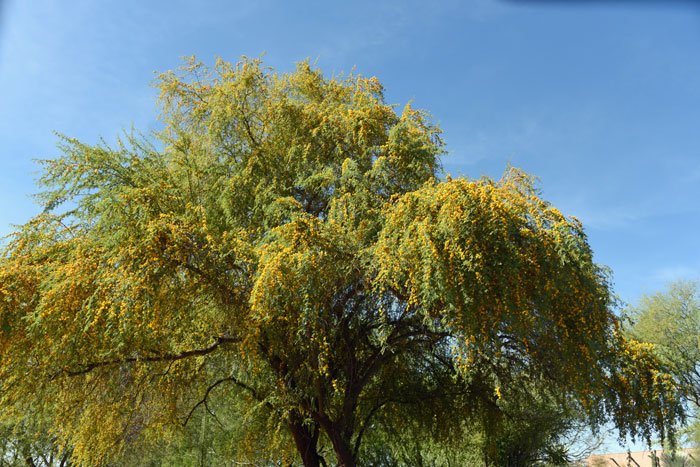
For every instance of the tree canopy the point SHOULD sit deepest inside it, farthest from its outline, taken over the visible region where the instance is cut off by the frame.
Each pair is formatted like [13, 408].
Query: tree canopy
[670, 321]
[285, 253]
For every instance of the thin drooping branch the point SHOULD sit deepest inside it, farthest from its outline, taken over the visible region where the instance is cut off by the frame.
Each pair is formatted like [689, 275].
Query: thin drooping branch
[365, 424]
[206, 396]
[154, 358]
[248, 130]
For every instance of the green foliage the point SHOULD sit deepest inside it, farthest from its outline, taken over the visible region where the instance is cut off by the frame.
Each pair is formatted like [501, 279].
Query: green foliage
[291, 265]
[670, 320]
[532, 434]
[26, 441]
[677, 459]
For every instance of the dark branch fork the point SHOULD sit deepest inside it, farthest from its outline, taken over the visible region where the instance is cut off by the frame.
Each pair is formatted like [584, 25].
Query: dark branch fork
[250, 389]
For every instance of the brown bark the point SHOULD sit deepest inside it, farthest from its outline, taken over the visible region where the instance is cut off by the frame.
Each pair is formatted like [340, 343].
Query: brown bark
[339, 439]
[341, 447]
[306, 441]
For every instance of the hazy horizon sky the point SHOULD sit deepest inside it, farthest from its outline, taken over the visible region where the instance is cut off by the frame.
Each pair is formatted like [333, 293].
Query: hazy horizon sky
[600, 100]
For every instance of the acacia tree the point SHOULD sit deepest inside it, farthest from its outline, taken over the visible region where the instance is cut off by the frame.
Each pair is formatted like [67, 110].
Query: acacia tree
[285, 244]
[670, 320]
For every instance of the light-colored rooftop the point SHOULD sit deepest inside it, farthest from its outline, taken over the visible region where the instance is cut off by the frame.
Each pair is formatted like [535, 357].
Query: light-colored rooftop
[633, 459]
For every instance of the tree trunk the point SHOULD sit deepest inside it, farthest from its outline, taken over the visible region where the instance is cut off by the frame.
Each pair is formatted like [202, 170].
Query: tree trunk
[305, 441]
[343, 453]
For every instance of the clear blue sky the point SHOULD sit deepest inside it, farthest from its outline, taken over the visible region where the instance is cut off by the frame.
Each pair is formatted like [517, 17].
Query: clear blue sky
[600, 99]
